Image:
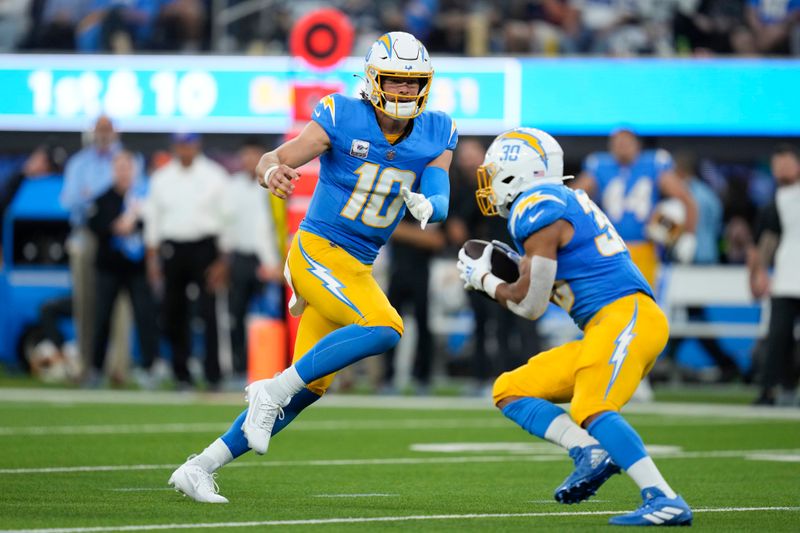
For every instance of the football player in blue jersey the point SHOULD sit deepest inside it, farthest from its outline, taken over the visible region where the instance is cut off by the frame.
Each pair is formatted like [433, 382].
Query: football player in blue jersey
[571, 254]
[627, 182]
[380, 155]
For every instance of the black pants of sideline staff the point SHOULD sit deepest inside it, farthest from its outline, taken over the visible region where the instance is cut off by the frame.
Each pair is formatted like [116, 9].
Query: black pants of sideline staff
[185, 265]
[107, 286]
[409, 288]
[780, 367]
[244, 285]
[517, 338]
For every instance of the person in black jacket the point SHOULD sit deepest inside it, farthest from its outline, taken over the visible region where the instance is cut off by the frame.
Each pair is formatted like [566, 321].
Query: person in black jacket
[47, 159]
[517, 338]
[115, 220]
[412, 249]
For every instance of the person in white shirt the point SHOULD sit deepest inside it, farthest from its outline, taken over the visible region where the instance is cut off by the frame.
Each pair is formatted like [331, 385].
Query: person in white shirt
[780, 238]
[187, 234]
[254, 248]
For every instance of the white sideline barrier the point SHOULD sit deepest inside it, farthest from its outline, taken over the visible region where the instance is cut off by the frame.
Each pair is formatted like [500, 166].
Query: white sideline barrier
[685, 286]
[682, 287]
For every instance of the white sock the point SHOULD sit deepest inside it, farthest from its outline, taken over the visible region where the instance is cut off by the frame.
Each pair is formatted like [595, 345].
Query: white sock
[645, 474]
[289, 382]
[567, 434]
[214, 457]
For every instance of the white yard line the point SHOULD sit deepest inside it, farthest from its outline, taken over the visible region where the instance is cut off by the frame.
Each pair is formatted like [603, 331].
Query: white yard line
[303, 425]
[140, 489]
[312, 462]
[771, 455]
[111, 429]
[366, 520]
[74, 396]
[780, 458]
[68, 396]
[313, 425]
[375, 495]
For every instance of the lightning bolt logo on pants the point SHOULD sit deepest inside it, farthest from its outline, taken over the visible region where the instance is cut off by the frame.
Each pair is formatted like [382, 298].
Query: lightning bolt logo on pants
[333, 285]
[622, 343]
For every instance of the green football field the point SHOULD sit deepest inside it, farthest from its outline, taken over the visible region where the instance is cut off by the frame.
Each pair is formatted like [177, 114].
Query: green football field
[99, 461]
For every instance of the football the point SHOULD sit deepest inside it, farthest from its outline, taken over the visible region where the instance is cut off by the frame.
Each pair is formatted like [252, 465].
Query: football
[503, 266]
[667, 222]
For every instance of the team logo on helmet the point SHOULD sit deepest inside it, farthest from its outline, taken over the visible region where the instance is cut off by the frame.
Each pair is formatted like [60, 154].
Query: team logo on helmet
[530, 140]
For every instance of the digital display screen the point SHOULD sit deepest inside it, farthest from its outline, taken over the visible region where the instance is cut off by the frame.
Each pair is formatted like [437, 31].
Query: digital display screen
[578, 96]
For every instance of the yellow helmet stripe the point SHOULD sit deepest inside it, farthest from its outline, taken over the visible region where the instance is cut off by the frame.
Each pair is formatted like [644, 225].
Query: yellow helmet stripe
[386, 41]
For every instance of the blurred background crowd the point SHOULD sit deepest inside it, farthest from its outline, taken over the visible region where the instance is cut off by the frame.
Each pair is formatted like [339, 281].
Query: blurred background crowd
[550, 27]
[193, 204]
[170, 237]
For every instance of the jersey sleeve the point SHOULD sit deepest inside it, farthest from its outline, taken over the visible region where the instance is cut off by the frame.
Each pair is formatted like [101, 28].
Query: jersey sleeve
[452, 139]
[440, 130]
[325, 114]
[535, 212]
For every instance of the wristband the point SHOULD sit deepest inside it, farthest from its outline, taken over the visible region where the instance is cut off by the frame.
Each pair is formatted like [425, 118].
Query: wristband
[490, 284]
[267, 174]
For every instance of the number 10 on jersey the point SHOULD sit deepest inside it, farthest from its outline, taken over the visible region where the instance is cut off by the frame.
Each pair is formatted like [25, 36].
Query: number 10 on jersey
[372, 189]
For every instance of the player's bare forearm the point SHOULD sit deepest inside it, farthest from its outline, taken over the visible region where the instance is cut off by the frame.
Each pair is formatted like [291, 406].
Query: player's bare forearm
[515, 292]
[276, 170]
[544, 244]
[267, 161]
[443, 160]
[529, 296]
[275, 176]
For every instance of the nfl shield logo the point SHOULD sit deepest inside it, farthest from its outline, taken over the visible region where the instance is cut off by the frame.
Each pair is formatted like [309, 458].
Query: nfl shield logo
[359, 149]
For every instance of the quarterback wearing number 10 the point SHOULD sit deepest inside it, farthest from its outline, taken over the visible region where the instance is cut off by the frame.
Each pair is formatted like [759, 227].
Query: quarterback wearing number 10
[380, 155]
[569, 252]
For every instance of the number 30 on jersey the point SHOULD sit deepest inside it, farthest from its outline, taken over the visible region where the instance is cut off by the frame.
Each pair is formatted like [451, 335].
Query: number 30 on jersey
[608, 242]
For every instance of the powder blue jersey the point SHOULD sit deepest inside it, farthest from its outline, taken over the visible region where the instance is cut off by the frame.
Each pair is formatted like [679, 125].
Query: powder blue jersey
[595, 268]
[628, 193]
[357, 202]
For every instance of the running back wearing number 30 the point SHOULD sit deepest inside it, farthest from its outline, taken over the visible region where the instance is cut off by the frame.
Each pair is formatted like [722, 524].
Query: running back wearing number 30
[571, 254]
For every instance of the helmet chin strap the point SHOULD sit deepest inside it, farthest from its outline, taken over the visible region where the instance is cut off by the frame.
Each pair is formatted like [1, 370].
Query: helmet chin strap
[554, 180]
[505, 208]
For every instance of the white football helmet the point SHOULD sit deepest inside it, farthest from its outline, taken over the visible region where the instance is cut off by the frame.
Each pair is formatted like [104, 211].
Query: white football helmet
[398, 54]
[516, 160]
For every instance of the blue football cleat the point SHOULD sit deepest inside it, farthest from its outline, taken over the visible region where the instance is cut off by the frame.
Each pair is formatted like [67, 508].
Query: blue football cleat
[593, 466]
[657, 510]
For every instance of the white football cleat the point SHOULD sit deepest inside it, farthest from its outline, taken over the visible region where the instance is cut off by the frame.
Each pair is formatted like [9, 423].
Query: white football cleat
[262, 413]
[193, 481]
